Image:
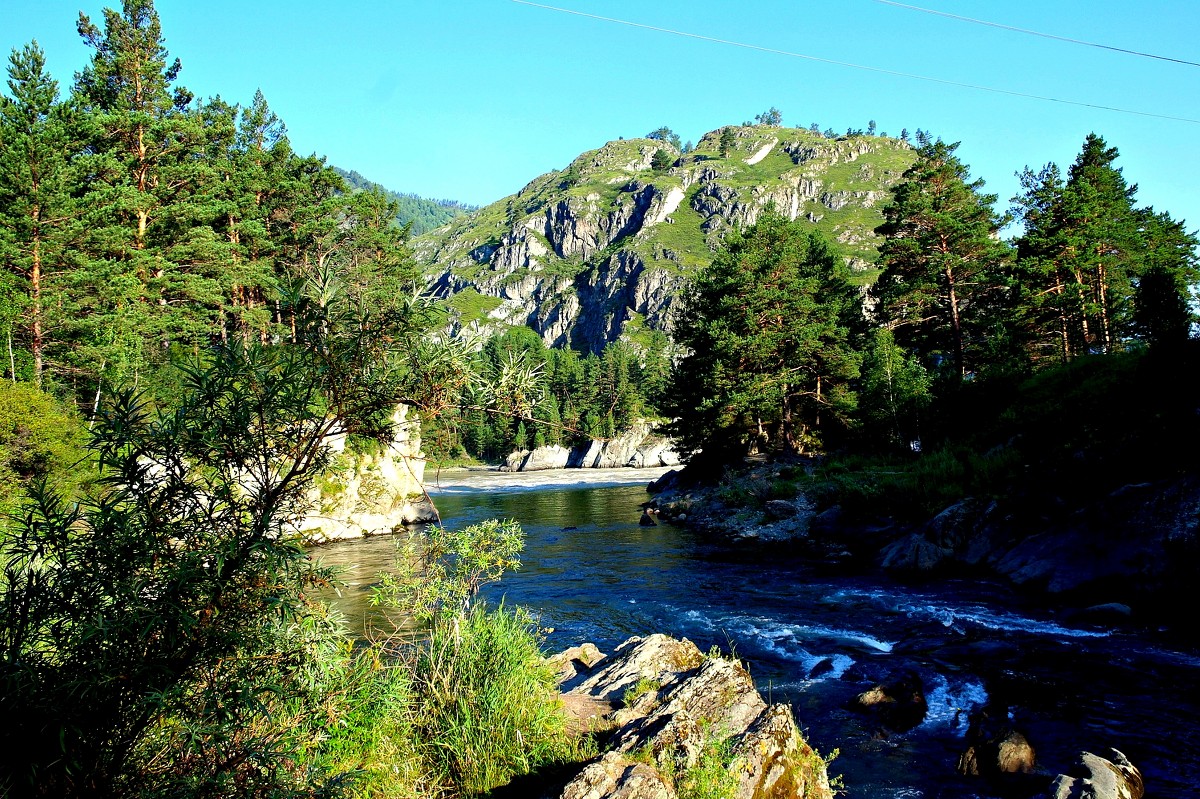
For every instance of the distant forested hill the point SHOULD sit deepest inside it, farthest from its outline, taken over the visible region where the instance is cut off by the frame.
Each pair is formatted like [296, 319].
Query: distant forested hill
[425, 214]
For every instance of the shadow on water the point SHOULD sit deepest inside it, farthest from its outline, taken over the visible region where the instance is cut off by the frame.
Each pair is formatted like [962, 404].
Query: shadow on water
[593, 574]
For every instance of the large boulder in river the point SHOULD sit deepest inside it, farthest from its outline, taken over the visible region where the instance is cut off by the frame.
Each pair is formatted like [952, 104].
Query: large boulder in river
[679, 708]
[542, 458]
[1095, 777]
[898, 704]
[994, 746]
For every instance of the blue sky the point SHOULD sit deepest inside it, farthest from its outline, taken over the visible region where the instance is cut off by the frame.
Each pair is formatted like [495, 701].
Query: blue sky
[471, 99]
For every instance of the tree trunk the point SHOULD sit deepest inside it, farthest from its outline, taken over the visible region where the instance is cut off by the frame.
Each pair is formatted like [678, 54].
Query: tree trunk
[955, 323]
[1102, 301]
[35, 291]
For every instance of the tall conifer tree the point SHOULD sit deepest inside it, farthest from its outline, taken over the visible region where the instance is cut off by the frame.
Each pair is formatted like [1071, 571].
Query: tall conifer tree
[941, 256]
[36, 218]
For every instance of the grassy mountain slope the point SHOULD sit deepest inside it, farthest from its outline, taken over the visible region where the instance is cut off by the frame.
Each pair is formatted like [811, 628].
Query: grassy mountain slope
[600, 249]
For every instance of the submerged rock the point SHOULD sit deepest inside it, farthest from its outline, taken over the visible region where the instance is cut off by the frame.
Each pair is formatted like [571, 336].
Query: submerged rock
[995, 747]
[898, 704]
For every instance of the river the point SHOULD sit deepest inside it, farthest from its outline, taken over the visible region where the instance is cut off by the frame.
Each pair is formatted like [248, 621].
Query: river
[817, 638]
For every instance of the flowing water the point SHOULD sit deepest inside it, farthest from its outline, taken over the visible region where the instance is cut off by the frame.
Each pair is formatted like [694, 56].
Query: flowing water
[816, 638]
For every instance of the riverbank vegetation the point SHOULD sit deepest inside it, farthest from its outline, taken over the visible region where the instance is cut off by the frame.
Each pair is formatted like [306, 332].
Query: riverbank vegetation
[530, 395]
[159, 636]
[973, 366]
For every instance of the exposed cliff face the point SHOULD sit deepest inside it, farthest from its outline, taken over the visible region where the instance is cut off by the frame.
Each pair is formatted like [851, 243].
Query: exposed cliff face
[369, 494]
[602, 249]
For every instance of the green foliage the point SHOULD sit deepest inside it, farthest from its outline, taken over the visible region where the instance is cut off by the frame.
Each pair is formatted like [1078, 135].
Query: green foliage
[364, 731]
[711, 776]
[441, 573]
[1066, 433]
[182, 576]
[770, 117]
[894, 392]
[941, 260]
[707, 773]
[189, 580]
[661, 161]
[483, 705]
[768, 327]
[665, 134]
[1094, 270]
[726, 142]
[551, 394]
[642, 687]
[39, 440]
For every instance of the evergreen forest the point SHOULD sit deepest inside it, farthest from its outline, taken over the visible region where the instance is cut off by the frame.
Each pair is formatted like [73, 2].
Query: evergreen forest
[190, 309]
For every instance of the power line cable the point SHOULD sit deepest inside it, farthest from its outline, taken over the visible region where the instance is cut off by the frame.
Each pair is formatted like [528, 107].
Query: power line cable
[1037, 33]
[851, 65]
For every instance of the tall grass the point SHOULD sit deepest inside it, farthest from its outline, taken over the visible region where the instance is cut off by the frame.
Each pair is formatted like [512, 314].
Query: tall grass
[458, 712]
[489, 709]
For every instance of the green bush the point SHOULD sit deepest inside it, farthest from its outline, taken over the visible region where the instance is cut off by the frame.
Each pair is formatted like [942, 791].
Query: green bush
[39, 439]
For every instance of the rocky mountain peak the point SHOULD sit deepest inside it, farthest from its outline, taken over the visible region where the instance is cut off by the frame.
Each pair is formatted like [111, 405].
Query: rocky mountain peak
[601, 249]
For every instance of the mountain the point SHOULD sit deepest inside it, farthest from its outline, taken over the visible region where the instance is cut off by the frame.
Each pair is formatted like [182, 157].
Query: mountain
[422, 213]
[601, 249]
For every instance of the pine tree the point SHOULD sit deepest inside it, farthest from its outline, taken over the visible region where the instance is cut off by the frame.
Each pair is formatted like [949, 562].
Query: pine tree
[726, 142]
[941, 256]
[665, 134]
[36, 218]
[154, 258]
[1084, 247]
[1098, 226]
[1169, 275]
[768, 325]
[769, 117]
[661, 161]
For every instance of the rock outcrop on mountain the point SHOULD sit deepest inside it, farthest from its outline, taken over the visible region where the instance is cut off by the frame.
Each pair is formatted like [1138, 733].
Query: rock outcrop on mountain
[601, 249]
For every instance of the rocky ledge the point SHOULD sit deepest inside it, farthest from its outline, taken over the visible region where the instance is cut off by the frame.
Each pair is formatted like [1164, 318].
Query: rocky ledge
[670, 715]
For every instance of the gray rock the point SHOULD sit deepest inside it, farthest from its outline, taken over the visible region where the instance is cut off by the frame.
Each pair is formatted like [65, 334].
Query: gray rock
[898, 704]
[1095, 777]
[677, 702]
[994, 747]
[780, 509]
[915, 553]
[542, 458]
[615, 776]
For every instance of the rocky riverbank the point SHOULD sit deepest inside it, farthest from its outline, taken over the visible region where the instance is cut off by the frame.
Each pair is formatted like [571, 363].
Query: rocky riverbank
[1135, 545]
[673, 721]
[638, 447]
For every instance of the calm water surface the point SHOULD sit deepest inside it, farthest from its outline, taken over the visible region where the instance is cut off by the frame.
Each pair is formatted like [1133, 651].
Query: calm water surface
[816, 639]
